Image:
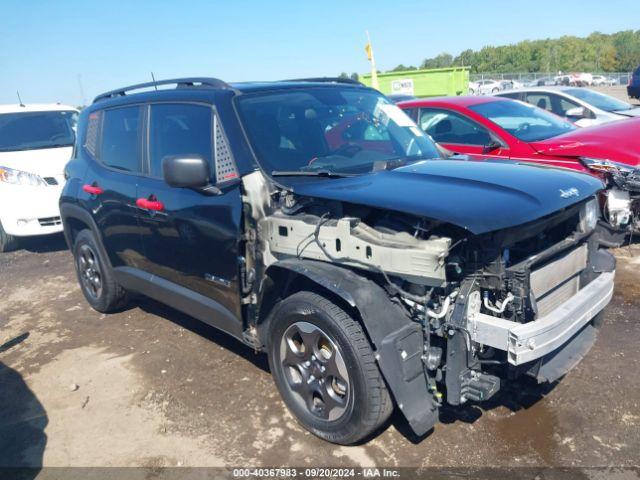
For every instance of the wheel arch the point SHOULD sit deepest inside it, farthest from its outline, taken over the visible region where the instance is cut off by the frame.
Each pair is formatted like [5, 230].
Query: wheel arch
[285, 278]
[397, 340]
[76, 219]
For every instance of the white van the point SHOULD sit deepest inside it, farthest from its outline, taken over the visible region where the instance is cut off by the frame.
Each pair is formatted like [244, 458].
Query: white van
[36, 142]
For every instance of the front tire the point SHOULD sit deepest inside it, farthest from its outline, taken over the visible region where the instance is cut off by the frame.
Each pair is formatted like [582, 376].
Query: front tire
[7, 242]
[324, 368]
[96, 279]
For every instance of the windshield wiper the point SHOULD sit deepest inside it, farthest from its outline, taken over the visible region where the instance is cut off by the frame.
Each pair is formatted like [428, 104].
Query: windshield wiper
[310, 173]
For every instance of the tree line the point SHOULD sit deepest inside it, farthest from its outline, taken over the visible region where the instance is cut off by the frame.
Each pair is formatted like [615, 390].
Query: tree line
[617, 52]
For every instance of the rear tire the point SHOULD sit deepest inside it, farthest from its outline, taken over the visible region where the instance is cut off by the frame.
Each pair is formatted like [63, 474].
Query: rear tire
[325, 370]
[96, 279]
[7, 242]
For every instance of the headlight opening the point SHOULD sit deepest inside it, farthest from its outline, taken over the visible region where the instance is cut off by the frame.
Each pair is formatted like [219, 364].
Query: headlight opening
[589, 216]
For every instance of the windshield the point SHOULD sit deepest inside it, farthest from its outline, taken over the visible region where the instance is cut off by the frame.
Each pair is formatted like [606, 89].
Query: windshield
[524, 121]
[31, 130]
[599, 100]
[336, 129]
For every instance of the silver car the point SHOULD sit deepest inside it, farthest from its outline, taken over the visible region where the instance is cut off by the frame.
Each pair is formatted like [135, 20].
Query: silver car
[582, 106]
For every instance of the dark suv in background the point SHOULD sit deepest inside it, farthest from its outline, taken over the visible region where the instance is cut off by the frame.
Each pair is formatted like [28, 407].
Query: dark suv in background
[313, 221]
[633, 89]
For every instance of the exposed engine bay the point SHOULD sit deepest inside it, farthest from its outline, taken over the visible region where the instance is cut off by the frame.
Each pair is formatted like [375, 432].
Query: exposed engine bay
[488, 306]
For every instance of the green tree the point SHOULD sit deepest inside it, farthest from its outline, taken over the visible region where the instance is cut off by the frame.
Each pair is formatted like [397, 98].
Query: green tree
[627, 46]
[402, 68]
[439, 61]
[597, 52]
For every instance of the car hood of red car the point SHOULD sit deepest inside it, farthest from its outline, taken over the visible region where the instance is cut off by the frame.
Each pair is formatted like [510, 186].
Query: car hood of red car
[616, 141]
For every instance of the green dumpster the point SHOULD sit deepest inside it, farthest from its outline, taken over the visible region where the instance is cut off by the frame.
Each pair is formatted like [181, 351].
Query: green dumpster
[437, 82]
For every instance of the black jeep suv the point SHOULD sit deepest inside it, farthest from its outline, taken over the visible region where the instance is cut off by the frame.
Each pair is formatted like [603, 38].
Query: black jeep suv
[633, 89]
[314, 221]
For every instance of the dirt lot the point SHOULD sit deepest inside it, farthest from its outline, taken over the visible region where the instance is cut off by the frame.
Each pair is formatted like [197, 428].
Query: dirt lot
[152, 387]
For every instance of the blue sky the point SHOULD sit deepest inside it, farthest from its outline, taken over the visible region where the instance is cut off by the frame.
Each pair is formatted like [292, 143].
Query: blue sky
[46, 45]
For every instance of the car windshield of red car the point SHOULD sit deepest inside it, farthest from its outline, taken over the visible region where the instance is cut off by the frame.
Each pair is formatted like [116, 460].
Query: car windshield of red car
[523, 121]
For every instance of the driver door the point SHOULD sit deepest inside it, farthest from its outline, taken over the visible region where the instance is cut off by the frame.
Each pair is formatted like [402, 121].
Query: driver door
[191, 240]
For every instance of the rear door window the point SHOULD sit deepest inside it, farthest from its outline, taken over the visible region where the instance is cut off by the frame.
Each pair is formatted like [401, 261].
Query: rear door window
[119, 148]
[541, 100]
[179, 129]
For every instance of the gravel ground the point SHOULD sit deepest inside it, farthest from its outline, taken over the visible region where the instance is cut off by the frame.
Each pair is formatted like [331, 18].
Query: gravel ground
[152, 387]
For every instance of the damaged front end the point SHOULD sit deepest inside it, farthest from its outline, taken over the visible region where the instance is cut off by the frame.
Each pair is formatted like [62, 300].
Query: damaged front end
[450, 314]
[621, 201]
[529, 307]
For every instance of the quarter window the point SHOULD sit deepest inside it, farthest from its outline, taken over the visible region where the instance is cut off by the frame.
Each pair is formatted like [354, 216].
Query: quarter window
[119, 147]
[225, 165]
[179, 129]
[91, 136]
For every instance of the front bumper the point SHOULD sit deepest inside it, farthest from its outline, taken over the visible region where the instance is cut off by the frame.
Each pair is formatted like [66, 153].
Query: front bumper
[525, 342]
[28, 211]
[633, 91]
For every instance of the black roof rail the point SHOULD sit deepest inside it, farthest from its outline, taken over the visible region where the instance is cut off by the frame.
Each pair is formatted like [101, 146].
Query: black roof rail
[326, 80]
[179, 82]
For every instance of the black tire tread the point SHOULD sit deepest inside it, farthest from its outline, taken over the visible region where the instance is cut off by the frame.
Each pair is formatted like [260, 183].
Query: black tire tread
[380, 398]
[114, 297]
[380, 403]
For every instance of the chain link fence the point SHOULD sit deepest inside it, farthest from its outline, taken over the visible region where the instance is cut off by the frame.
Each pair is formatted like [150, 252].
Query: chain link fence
[529, 79]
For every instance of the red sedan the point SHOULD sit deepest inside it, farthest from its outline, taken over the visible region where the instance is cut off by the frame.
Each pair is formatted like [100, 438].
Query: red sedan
[490, 127]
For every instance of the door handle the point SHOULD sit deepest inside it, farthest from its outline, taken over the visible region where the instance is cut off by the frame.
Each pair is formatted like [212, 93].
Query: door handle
[150, 203]
[92, 189]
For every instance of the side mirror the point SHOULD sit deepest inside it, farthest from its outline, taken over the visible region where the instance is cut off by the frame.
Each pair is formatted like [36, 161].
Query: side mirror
[491, 146]
[186, 171]
[577, 112]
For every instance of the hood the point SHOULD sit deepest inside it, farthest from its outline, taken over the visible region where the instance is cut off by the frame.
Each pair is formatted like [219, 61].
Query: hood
[616, 141]
[632, 112]
[46, 162]
[478, 196]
